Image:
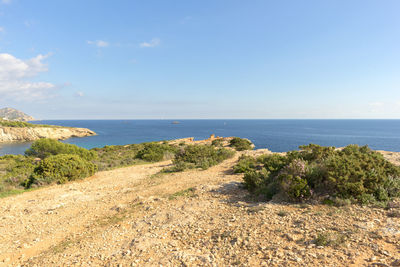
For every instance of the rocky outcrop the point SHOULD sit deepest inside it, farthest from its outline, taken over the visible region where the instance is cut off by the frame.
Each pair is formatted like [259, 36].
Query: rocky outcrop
[14, 115]
[26, 134]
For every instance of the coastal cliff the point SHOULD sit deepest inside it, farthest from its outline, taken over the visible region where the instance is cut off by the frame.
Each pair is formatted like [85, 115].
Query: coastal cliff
[26, 134]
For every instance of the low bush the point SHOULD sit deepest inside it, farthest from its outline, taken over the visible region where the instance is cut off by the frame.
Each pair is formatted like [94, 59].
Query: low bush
[111, 157]
[200, 156]
[354, 173]
[273, 162]
[64, 162]
[245, 164]
[294, 187]
[44, 148]
[333, 239]
[14, 170]
[240, 144]
[153, 152]
[60, 169]
[258, 181]
[217, 142]
[22, 124]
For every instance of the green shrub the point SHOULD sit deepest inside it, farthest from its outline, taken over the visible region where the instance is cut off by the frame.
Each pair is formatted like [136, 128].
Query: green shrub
[22, 124]
[240, 144]
[60, 169]
[392, 186]
[245, 163]
[201, 156]
[354, 173]
[14, 170]
[314, 152]
[154, 152]
[333, 239]
[43, 148]
[273, 162]
[110, 157]
[178, 167]
[217, 142]
[257, 180]
[323, 239]
[338, 202]
[295, 187]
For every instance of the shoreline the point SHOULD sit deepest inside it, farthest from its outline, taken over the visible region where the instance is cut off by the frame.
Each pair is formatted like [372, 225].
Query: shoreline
[29, 134]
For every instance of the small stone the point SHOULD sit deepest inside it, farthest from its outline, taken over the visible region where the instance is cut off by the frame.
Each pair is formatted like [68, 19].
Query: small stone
[384, 252]
[372, 258]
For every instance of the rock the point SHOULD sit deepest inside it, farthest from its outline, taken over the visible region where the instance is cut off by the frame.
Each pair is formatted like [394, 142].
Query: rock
[119, 207]
[26, 134]
[14, 115]
[372, 259]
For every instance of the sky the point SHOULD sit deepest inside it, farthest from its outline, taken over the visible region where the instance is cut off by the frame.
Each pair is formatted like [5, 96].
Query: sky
[208, 59]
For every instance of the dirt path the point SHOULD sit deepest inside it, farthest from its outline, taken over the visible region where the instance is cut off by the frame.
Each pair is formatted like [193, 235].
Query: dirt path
[34, 221]
[136, 217]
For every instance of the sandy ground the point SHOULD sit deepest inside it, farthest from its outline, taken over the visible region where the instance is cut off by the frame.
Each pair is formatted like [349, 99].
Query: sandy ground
[136, 217]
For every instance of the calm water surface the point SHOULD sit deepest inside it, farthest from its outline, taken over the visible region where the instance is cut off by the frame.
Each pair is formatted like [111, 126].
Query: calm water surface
[276, 135]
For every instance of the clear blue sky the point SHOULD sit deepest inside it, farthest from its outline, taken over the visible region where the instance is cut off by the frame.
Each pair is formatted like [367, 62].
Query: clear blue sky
[99, 59]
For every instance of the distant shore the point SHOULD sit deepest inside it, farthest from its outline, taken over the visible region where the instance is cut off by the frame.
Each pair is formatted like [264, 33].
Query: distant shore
[28, 134]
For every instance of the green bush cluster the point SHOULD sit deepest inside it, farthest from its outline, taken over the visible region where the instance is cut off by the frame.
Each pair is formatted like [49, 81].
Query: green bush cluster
[200, 156]
[110, 157]
[44, 148]
[354, 172]
[14, 171]
[217, 142]
[240, 144]
[62, 162]
[59, 163]
[21, 124]
[154, 152]
[245, 164]
[60, 169]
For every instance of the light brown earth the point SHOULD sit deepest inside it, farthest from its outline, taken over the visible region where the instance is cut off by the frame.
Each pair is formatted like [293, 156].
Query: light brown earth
[137, 217]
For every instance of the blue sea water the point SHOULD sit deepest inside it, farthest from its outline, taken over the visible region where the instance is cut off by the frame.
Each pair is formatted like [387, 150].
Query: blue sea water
[276, 135]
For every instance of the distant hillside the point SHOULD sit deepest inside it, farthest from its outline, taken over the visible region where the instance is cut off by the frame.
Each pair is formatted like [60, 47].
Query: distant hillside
[14, 115]
[15, 128]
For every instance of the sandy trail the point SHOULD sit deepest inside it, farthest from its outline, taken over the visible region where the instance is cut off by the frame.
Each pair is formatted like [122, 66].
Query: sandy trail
[34, 221]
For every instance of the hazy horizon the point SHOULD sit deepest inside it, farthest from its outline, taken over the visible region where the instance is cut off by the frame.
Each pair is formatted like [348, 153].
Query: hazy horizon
[201, 59]
[180, 119]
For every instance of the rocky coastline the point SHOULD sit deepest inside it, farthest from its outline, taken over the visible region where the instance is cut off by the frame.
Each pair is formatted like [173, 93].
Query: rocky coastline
[28, 134]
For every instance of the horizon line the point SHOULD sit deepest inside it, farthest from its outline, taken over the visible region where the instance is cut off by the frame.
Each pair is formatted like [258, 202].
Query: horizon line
[176, 119]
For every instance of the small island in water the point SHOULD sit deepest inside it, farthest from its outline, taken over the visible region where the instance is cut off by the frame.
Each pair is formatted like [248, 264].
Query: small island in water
[15, 128]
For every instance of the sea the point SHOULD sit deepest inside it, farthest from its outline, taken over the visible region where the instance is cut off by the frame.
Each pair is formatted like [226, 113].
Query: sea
[275, 135]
